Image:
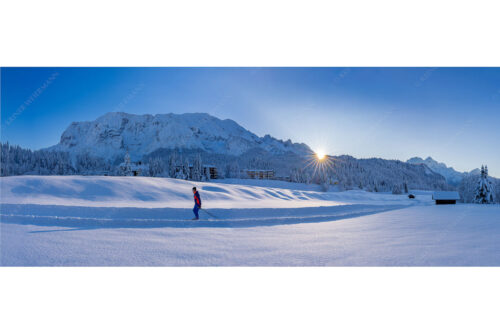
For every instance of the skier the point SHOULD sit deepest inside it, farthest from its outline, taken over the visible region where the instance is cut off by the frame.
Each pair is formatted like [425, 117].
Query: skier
[197, 204]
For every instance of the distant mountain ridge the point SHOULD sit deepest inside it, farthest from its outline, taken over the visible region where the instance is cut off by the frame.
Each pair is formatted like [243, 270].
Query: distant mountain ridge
[112, 134]
[452, 176]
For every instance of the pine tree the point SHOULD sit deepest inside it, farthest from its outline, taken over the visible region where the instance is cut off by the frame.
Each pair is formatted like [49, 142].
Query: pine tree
[172, 165]
[127, 165]
[467, 188]
[497, 190]
[484, 193]
[197, 170]
[185, 169]
[156, 167]
[396, 189]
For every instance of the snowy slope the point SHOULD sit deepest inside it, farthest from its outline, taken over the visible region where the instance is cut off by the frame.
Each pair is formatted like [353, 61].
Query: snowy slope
[135, 221]
[112, 134]
[146, 192]
[452, 176]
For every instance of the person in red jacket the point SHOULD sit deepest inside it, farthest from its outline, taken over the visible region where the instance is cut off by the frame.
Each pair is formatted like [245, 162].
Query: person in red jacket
[197, 203]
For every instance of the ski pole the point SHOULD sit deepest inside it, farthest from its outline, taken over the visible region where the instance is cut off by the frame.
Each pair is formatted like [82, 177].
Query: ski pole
[208, 213]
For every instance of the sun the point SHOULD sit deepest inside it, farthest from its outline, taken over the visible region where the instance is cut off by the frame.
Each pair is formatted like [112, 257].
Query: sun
[319, 163]
[320, 155]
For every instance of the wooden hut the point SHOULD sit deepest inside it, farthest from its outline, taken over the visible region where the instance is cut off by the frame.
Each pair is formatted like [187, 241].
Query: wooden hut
[445, 197]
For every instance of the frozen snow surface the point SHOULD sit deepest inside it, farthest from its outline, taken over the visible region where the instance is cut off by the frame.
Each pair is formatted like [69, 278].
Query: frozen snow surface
[140, 221]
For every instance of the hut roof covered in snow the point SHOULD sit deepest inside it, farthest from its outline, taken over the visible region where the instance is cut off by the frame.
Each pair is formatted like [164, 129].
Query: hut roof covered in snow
[445, 195]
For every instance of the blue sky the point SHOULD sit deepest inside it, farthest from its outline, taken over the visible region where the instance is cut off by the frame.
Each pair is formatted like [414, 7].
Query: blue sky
[451, 114]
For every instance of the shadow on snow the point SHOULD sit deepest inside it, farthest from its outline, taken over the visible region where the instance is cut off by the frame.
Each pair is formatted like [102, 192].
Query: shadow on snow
[82, 218]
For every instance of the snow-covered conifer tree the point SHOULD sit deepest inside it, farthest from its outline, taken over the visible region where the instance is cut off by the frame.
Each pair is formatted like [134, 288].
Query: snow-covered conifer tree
[156, 167]
[127, 165]
[197, 170]
[172, 165]
[484, 193]
[497, 190]
[182, 170]
[396, 189]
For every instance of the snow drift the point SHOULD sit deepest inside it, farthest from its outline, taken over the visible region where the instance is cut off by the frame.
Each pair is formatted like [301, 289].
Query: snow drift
[147, 192]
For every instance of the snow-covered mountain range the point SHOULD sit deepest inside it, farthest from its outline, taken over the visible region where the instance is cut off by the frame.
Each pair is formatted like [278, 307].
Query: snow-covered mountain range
[112, 134]
[452, 176]
[166, 144]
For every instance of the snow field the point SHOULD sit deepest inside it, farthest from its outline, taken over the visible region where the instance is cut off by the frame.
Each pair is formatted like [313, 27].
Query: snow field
[136, 221]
